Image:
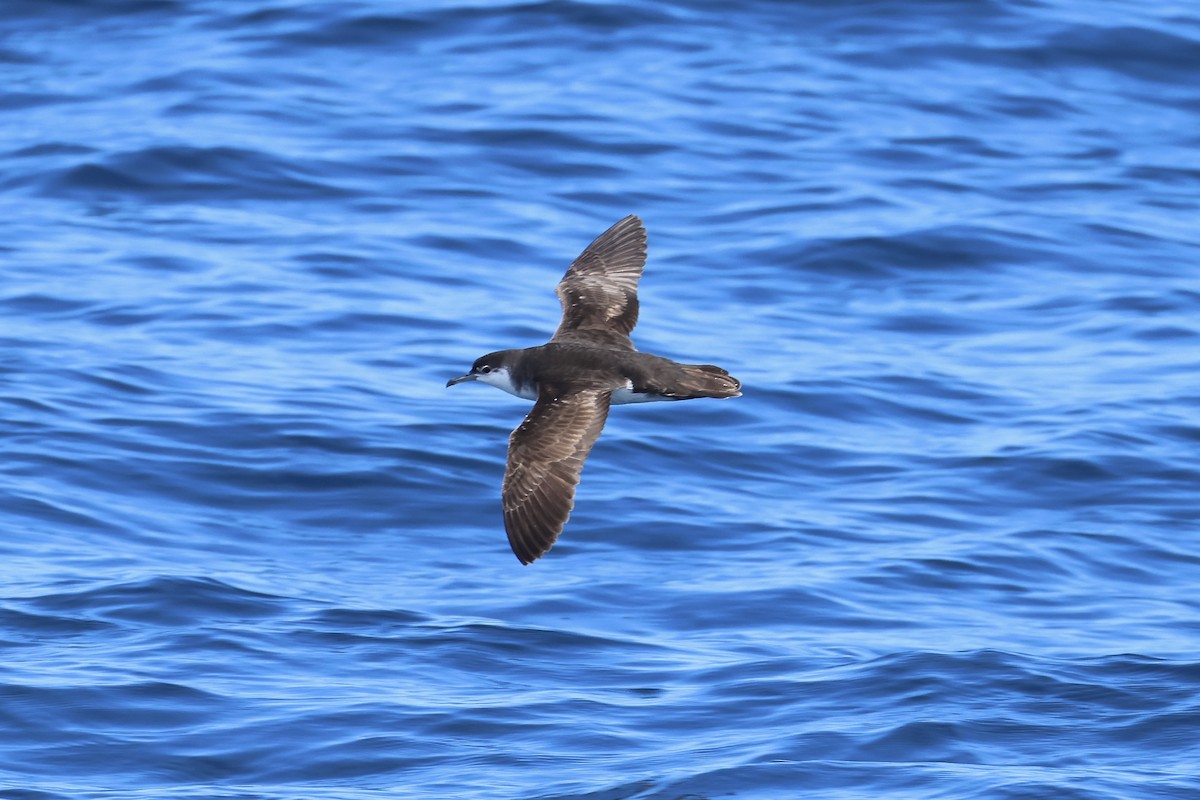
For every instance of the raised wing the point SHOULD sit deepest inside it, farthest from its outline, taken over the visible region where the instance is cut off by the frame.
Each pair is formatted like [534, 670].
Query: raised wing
[545, 456]
[599, 291]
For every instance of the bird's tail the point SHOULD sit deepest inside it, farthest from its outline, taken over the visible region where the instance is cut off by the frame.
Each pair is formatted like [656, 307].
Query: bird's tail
[705, 380]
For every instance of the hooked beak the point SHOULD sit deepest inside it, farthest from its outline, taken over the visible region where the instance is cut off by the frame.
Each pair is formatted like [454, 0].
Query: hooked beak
[460, 379]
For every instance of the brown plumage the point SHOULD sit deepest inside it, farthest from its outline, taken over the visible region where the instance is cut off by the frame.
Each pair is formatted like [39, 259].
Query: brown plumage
[589, 364]
[545, 456]
[599, 291]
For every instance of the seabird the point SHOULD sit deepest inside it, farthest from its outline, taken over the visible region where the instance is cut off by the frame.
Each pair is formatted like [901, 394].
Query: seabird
[589, 364]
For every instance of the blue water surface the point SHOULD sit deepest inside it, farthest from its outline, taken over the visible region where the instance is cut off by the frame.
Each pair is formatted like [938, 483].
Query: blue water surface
[945, 546]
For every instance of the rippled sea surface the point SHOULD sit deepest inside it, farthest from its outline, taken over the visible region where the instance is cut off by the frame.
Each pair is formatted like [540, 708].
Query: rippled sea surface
[945, 546]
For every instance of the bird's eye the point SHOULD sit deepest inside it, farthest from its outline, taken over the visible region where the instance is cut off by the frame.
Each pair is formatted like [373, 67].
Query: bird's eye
[485, 369]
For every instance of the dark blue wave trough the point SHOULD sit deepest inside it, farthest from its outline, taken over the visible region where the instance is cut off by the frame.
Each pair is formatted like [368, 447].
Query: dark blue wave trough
[946, 545]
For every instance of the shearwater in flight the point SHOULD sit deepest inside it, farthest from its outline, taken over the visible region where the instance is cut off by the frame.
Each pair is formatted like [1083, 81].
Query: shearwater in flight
[589, 364]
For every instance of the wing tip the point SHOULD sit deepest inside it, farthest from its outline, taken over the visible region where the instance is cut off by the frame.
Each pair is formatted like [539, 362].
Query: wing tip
[630, 225]
[528, 545]
[530, 534]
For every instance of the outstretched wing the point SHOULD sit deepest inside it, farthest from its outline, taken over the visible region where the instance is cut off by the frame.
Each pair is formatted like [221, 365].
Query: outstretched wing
[545, 456]
[599, 291]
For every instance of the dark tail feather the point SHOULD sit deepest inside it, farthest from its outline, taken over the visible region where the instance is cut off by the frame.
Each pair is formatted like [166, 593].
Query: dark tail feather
[705, 380]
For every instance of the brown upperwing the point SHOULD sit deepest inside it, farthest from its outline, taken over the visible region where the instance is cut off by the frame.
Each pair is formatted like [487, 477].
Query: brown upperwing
[545, 456]
[599, 290]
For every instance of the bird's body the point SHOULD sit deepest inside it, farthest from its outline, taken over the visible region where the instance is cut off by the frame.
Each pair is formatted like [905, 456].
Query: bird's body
[589, 365]
[630, 376]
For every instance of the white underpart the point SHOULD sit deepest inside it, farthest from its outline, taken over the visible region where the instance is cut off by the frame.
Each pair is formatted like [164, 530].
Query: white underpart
[502, 380]
[626, 395]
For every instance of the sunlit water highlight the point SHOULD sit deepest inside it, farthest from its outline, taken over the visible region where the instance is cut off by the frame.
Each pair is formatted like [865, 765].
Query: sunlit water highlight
[944, 547]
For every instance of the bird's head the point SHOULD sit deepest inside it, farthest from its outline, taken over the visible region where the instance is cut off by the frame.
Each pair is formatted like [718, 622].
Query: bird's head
[494, 369]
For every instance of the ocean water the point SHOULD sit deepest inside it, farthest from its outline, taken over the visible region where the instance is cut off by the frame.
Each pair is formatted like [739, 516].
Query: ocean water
[945, 546]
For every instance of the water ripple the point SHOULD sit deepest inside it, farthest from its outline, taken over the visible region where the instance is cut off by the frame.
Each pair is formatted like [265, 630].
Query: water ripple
[253, 547]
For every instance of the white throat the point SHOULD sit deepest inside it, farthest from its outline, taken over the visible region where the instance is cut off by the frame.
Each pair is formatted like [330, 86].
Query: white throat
[501, 378]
